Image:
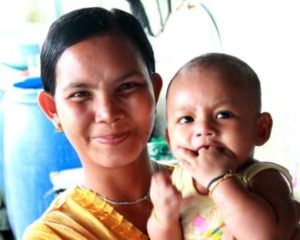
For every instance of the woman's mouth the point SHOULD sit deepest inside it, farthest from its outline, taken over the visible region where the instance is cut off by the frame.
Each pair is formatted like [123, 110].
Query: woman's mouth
[113, 139]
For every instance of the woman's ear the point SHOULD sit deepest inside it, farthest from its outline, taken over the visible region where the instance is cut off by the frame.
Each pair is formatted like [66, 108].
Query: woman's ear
[47, 104]
[157, 85]
[264, 128]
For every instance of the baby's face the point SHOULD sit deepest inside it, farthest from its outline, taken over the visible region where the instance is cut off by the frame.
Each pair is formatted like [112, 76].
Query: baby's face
[203, 109]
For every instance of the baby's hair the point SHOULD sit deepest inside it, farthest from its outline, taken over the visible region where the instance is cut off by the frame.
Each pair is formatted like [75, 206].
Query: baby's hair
[227, 64]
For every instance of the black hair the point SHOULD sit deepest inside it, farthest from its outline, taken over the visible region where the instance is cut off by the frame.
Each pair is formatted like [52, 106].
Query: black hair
[81, 24]
[228, 64]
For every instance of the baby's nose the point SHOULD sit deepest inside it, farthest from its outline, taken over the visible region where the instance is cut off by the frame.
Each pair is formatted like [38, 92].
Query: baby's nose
[204, 128]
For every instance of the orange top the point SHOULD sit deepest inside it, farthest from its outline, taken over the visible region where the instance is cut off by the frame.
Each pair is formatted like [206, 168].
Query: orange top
[79, 214]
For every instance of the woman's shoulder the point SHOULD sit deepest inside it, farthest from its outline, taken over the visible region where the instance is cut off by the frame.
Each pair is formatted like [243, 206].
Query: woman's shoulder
[79, 214]
[41, 228]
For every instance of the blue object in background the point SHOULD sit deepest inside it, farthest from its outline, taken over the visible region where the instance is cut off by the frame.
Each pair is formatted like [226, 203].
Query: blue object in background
[32, 149]
[30, 83]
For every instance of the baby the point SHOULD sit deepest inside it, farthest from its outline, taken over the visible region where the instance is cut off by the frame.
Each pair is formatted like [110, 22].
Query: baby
[218, 190]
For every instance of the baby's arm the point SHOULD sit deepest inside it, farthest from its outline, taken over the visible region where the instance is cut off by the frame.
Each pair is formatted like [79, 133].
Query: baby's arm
[268, 207]
[164, 221]
[296, 235]
[266, 211]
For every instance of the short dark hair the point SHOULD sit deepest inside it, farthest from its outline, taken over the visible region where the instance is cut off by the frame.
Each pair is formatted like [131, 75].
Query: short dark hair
[85, 23]
[227, 64]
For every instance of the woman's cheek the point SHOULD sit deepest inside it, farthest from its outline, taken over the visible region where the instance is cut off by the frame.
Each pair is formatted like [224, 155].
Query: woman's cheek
[148, 112]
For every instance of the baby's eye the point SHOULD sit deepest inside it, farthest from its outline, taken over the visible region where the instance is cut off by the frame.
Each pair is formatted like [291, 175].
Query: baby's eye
[224, 115]
[186, 119]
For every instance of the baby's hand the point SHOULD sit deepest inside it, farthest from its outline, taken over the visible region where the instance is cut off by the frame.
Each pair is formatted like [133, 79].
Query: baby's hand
[207, 163]
[165, 197]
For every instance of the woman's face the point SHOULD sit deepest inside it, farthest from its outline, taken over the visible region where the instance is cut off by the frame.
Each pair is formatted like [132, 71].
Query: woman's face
[105, 100]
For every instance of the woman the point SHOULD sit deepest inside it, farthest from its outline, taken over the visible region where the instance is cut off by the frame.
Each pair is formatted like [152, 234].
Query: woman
[101, 89]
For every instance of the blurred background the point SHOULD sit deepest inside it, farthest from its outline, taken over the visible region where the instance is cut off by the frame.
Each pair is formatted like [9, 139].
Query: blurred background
[36, 162]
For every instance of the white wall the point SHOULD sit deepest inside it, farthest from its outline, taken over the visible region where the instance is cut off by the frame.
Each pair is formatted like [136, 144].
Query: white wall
[188, 33]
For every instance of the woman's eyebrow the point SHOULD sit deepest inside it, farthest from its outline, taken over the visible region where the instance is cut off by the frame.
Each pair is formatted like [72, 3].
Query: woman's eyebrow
[86, 84]
[79, 84]
[128, 75]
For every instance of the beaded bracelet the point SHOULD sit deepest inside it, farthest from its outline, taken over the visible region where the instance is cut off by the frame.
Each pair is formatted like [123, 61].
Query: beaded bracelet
[217, 180]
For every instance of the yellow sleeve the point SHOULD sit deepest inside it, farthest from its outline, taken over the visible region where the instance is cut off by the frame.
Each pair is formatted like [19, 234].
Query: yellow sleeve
[56, 225]
[40, 231]
[258, 167]
[79, 215]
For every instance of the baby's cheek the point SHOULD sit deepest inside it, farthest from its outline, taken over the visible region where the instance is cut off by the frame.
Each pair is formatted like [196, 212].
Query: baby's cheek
[178, 140]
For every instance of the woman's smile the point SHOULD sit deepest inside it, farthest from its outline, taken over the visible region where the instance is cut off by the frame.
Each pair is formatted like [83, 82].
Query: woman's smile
[112, 139]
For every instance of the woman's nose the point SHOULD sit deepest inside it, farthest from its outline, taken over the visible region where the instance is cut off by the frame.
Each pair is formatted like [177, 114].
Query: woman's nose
[108, 110]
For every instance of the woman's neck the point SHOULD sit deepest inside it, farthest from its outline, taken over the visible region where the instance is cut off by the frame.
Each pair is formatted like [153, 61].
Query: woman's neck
[114, 183]
[124, 184]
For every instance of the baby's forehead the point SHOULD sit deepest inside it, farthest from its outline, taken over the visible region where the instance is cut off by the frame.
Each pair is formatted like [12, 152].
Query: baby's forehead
[225, 74]
[229, 79]
[230, 70]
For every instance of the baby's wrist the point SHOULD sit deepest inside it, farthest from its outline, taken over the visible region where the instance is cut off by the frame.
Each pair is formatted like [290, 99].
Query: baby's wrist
[215, 182]
[161, 221]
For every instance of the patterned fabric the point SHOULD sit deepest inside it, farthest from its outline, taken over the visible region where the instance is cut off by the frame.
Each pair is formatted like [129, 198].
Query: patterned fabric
[200, 217]
[79, 214]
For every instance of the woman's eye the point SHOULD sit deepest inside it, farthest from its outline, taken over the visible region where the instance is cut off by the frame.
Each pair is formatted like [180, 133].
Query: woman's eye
[128, 86]
[224, 115]
[80, 95]
[186, 119]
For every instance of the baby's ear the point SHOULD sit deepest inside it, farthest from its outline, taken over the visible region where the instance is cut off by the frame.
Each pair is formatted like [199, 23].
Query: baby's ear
[47, 104]
[263, 128]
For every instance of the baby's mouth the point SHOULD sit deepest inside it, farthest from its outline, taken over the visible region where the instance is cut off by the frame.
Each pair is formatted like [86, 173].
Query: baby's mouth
[207, 146]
